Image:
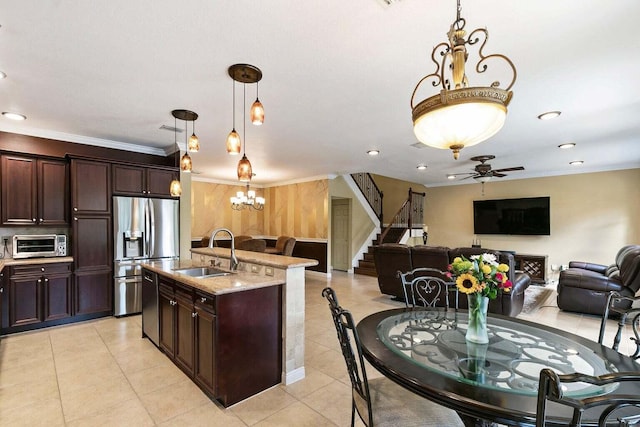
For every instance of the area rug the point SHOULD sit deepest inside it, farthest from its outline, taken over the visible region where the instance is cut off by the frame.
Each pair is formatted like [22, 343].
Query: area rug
[535, 297]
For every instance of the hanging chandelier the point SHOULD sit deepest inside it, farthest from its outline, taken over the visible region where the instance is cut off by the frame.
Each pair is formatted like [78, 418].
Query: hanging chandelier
[244, 73]
[248, 200]
[186, 165]
[460, 115]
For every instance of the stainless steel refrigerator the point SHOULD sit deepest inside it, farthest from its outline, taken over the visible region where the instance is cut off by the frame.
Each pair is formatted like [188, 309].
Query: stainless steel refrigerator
[143, 230]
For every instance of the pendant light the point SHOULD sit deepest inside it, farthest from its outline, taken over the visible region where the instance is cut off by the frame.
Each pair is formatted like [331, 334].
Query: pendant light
[460, 115]
[257, 110]
[194, 143]
[245, 172]
[234, 144]
[175, 188]
[186, 165]
[244, 73]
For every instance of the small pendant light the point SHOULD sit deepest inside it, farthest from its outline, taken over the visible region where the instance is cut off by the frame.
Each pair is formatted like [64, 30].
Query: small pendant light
[257, 110]
[234, 144]
[245, 171]
[175, 188]
[194, 143]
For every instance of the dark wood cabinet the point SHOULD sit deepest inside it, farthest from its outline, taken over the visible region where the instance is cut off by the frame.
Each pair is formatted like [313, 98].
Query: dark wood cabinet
[90, 187]
[534, 265]
[34, 191]
[38, 295]
[166, 317]
[142, 181]
[229, 344]
[93, 293]
[185, 327]
[92, 246]
[92, 238]
[204, 370]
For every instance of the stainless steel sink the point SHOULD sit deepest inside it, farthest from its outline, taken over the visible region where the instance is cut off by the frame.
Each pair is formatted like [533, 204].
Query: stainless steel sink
[202, 272]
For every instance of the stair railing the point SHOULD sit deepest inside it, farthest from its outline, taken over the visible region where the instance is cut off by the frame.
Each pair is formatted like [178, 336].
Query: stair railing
[411, 212]
[370, 191]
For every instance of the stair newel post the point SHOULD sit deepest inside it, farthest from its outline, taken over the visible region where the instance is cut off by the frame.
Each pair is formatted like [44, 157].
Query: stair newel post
[410, 198]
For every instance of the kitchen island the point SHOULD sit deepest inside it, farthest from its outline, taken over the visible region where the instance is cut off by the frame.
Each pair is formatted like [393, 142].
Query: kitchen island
[234, 334]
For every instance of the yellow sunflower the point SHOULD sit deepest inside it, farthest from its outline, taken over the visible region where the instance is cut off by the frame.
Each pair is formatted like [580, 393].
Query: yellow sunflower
[467, 284]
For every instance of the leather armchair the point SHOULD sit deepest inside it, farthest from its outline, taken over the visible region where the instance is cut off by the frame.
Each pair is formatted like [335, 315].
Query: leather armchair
[584, 287]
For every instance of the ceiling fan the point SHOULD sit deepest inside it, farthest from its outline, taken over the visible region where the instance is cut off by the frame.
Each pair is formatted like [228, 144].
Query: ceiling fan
[483, 171]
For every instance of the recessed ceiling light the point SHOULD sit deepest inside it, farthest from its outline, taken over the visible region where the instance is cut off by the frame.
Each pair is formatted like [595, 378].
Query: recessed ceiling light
[421, 167]
[14, 116]
[3, 75]
[373, 152]
[451, 177]
[549, 115]
[567, 145]
[576, 162]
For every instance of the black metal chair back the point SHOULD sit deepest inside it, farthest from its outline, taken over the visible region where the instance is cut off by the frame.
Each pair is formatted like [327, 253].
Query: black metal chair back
[425, 287]
[348, 338]
[618, 406]
[622, 306]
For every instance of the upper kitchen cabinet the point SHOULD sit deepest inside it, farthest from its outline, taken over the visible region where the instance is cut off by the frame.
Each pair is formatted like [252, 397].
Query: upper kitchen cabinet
[142, 181]
[34, 191]
[90, 187]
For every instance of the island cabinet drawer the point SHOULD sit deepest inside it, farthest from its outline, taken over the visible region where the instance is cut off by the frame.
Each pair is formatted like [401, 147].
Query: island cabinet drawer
[205, 301]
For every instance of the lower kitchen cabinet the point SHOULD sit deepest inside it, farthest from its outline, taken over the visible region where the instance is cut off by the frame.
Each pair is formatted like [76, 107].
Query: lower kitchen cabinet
[229, 344]
[38, 296]
[93, 293]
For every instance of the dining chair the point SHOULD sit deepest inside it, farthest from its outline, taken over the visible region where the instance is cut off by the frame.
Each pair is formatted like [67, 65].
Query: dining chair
[425, 287]
[616, 405]
[617, 304]
[380, 401]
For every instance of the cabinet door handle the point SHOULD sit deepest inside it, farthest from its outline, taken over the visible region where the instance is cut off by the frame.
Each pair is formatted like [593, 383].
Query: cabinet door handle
[75, 218]
[1, 290]
[194, 315]
[46, 280]
[39, 281]
[33, 219]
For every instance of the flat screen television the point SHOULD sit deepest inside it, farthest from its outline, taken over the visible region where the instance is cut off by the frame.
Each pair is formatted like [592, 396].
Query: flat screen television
[526, 216]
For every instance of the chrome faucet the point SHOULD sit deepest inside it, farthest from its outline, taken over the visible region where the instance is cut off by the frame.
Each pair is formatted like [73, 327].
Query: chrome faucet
[233, 261]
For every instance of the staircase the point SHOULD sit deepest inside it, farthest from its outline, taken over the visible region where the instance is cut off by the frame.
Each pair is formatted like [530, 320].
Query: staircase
[367, 266]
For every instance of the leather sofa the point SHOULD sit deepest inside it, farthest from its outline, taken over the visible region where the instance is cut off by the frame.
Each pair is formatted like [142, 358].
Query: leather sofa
[390, 258]
[584, 287]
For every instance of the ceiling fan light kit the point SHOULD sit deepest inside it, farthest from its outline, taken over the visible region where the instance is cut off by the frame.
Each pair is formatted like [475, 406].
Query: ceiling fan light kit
[460, 115]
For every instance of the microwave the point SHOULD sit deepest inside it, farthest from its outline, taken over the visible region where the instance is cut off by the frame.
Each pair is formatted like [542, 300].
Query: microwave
[39, 245]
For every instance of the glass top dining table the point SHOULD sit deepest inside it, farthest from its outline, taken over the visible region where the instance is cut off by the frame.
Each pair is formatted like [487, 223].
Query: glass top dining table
[426, 352]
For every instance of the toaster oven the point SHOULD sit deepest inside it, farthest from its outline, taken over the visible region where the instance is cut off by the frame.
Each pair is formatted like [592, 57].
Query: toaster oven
[39, 245]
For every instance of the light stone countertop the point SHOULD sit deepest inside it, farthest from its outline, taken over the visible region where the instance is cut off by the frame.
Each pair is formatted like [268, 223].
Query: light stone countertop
[234, 282]
[260, 258]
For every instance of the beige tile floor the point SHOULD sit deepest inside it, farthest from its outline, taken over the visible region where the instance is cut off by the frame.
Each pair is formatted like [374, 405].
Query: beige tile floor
[101, 373]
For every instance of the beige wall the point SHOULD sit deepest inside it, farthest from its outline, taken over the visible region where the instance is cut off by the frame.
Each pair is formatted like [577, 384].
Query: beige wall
[300, 210]
[592, 215]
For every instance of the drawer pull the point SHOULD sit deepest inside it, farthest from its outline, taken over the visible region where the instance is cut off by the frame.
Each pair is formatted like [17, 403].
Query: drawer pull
[203, 299]
[194, 315]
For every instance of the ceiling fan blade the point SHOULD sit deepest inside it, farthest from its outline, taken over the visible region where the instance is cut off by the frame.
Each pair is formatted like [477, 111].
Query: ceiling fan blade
[517, 168]
[470, 176]
[498, 174]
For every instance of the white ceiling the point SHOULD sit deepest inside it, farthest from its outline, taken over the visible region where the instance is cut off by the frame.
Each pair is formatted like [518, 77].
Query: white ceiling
[338, 76]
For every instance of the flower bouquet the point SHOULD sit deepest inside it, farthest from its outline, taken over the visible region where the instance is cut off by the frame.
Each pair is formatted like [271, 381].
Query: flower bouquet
[481, 277]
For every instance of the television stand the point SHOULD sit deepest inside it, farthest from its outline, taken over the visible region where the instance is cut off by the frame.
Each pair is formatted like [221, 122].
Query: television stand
[534, 265]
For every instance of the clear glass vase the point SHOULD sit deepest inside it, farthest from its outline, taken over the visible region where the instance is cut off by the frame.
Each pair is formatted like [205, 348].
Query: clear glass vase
[477, 327]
